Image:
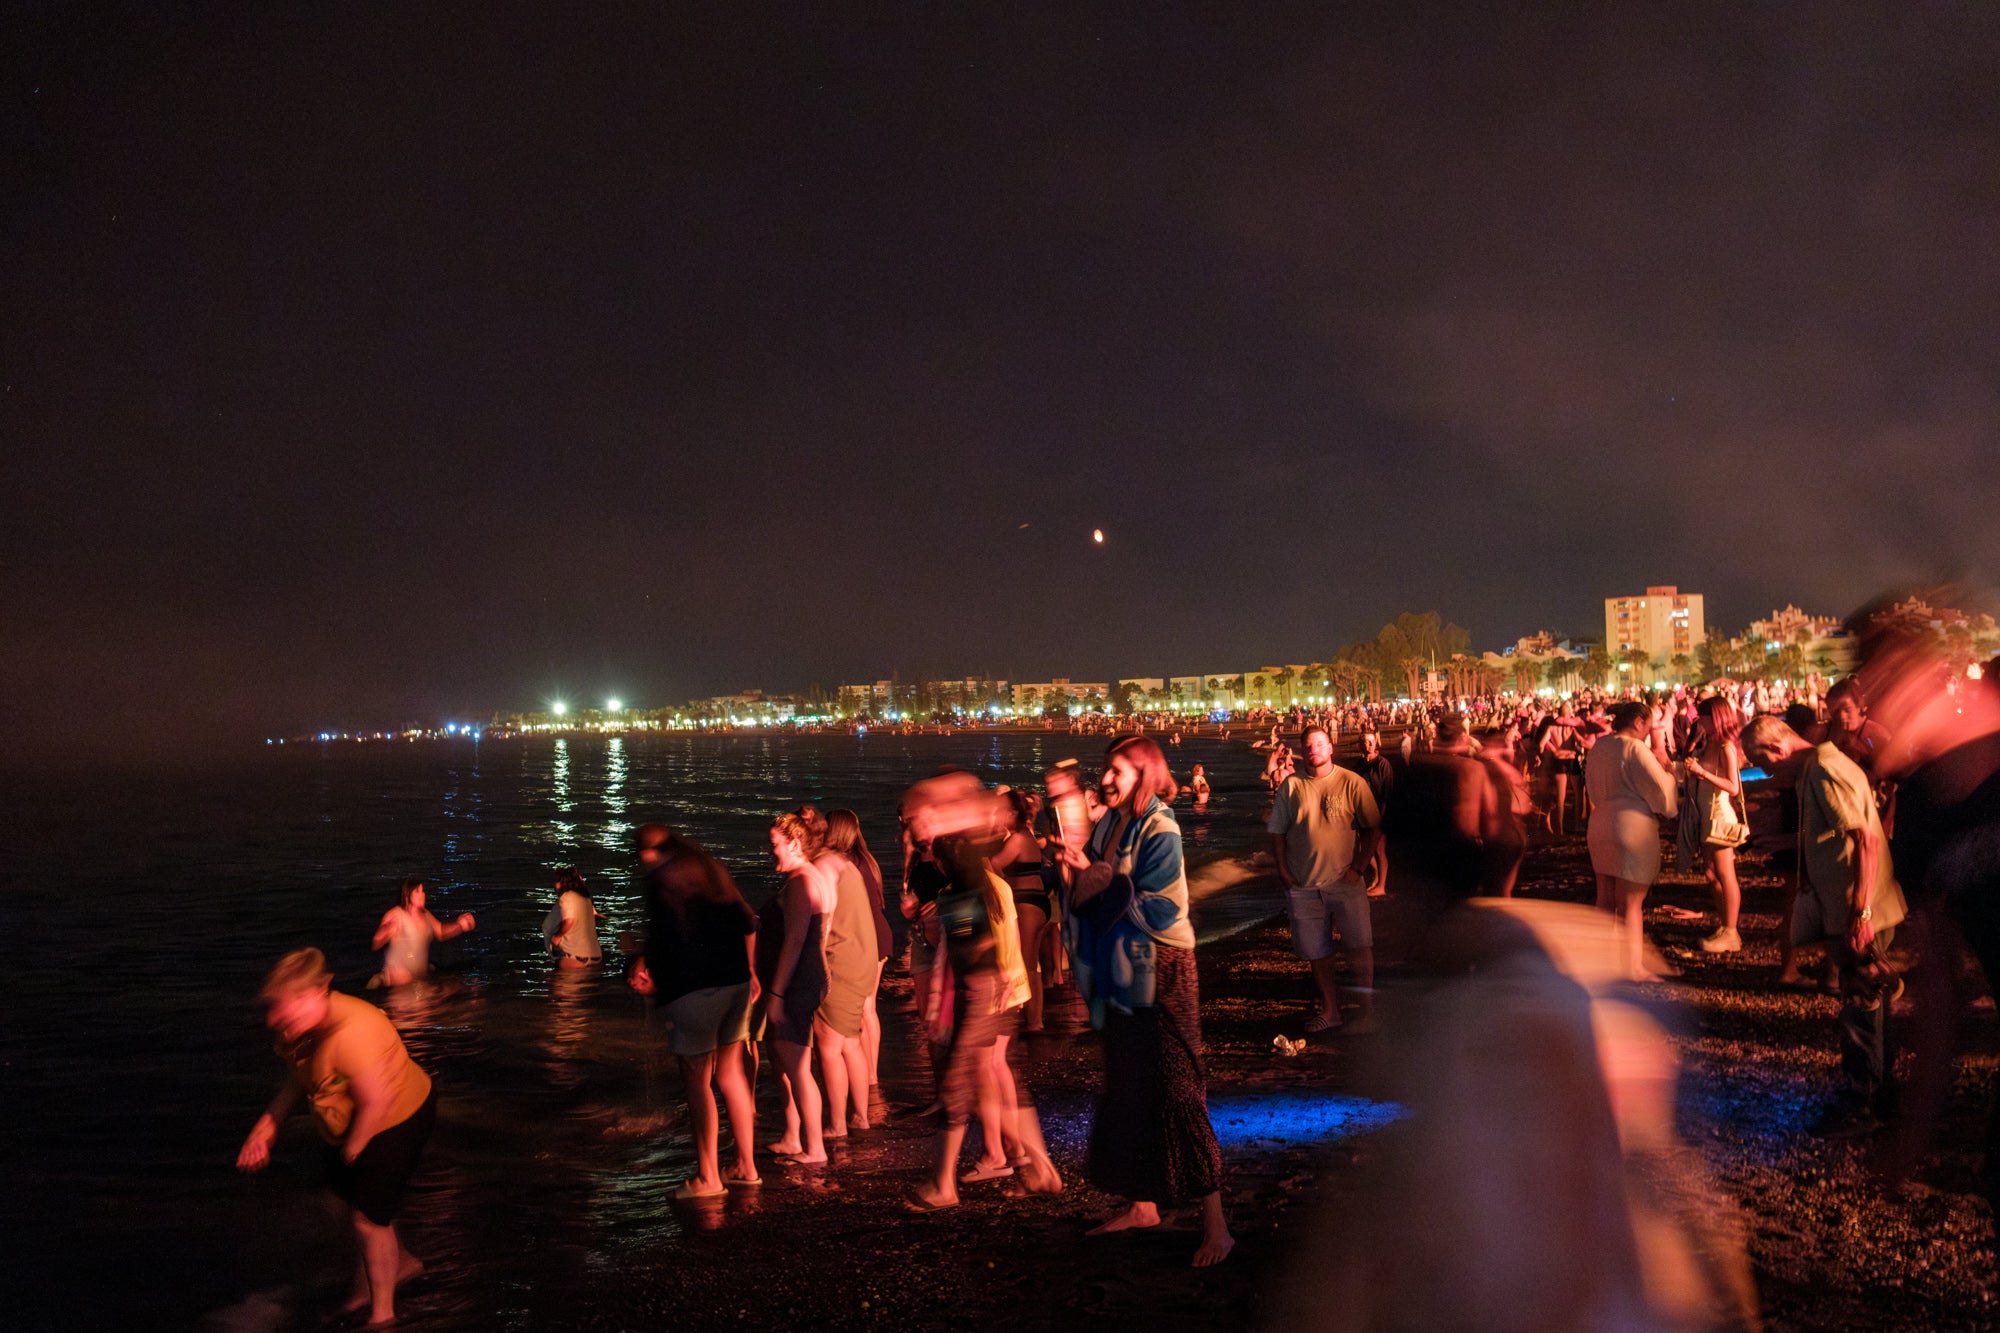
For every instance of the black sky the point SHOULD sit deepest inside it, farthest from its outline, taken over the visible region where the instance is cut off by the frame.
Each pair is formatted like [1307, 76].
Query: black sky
[371, 362]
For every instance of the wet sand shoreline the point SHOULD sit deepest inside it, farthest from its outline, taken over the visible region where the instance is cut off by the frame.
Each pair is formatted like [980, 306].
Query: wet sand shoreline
[835, 1248]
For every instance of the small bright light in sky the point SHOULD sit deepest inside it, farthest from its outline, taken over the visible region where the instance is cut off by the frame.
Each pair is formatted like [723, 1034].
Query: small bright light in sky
[558, 708]
[613, 705]
[1097, 535]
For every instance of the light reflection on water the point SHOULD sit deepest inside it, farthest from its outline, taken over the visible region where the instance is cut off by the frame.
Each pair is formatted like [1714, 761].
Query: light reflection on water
[564, 830]
[559, 1130]
[1277, 1119]
[617, 829]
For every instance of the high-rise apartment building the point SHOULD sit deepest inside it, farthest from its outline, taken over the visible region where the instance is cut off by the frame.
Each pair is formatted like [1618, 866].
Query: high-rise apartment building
[1662, 623]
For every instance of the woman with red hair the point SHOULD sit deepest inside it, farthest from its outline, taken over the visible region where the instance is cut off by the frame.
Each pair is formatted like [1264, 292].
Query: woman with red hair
[1128, 929]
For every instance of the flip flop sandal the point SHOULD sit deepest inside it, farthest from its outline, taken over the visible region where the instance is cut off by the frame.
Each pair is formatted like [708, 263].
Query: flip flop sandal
[913, 1204]
[1321, 1023]
[981, 1173]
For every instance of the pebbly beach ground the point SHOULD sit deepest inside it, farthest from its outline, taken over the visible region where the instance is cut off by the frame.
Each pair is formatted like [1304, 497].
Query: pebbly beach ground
[835, 1248]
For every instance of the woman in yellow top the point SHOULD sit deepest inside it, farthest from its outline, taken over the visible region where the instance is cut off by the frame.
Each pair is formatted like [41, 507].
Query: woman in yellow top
[373, 1104]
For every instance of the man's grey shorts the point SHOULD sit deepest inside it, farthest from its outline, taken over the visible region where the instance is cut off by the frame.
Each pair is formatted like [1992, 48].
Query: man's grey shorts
[1317, 913]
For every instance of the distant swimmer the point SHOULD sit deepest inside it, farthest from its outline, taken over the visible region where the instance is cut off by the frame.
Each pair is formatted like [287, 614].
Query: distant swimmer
[405, 936]
[571, 925]
[1198, 785]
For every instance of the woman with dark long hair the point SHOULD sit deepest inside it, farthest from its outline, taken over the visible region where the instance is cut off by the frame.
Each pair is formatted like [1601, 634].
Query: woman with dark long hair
[571, 925]
[1719, 769]
[1019, 862]
[700, 938]
[1151, 1141]
[1562, 759]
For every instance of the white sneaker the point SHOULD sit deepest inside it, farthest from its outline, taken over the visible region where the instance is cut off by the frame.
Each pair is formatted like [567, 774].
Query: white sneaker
[1724, 940]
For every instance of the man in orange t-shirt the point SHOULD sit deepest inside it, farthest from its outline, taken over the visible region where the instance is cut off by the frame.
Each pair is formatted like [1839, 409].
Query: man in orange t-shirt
[373, 1104]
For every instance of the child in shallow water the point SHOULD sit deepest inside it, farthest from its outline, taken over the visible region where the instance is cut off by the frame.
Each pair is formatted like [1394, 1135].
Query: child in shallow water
[405, 936]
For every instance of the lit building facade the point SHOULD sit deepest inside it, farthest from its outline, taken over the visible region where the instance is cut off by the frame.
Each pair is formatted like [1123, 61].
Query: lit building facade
[1661, 623]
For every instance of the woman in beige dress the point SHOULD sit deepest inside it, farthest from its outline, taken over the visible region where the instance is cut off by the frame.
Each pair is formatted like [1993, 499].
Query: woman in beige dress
[1630, 792]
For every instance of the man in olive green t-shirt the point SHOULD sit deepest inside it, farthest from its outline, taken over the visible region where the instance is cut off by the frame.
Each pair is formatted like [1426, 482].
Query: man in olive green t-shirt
[1324, 828]
[1848, 897]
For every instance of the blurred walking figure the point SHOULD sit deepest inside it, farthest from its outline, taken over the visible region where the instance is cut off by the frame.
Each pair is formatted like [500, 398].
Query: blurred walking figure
[1944, 751]
[571, 925]
[1324, 827]
[1630, 793]
[1850, 899]
[1719, 769]
[701, 940]
[965, 825]
[406, 933]
[1133, 948]
[374, 1107]
[1536, 1182]
[923, 880]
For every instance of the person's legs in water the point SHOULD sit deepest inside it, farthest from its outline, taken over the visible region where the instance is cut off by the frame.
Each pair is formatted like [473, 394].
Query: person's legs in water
[788, 1143]
[830, 1046]
[1312, 939]
[854, 1052]
[385, 1263]
[736, 1095]
[871, 1029]
[698, 1073]
[796, 1061]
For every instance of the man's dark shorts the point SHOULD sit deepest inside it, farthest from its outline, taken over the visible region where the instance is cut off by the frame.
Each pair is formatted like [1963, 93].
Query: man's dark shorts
[375, 1182]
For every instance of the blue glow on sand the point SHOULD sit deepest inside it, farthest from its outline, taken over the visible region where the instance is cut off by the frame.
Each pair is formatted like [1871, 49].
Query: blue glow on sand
[1284, 1118]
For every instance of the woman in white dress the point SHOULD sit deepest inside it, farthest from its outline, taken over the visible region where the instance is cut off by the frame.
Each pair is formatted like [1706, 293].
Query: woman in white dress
[1630, 792]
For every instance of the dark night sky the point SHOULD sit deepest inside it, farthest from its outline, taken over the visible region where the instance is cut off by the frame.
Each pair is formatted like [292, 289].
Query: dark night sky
[368, 362]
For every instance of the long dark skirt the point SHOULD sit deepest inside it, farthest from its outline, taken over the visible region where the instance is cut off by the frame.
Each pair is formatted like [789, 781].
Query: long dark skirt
[1151, 1140]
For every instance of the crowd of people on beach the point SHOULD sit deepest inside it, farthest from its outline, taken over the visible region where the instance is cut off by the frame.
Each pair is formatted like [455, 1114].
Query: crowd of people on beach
[1006, 894]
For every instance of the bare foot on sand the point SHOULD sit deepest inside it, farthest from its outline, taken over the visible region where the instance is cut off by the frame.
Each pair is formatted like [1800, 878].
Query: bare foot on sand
[696, 1188]
[785, 1148]
[1214, 1249]
[409, 1268]
[1136, 1217]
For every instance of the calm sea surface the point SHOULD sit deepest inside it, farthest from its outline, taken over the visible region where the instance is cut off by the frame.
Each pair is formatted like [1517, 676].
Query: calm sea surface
[145, 907]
